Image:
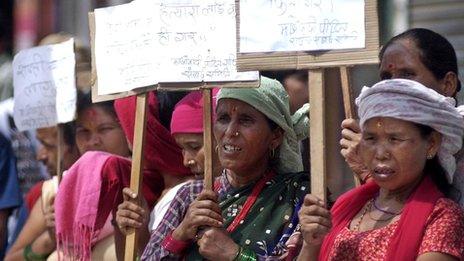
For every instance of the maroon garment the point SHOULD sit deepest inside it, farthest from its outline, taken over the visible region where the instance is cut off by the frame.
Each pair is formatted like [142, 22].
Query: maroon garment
[161, 153]
[116, 173]
[33, 195]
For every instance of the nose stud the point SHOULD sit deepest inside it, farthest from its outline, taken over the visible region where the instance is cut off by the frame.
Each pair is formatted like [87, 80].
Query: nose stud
[191, 162]
[236, 134]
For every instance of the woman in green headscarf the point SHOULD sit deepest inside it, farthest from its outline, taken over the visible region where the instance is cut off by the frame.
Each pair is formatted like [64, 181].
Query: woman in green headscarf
[253, 209]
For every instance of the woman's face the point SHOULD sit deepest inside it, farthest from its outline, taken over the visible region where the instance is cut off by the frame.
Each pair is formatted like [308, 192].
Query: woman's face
[395, 152]
[98, 130]
[244, 137]
[193, 153]
[402, 60]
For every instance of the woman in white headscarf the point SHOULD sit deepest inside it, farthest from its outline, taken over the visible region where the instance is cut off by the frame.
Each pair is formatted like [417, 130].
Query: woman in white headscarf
[410, 135]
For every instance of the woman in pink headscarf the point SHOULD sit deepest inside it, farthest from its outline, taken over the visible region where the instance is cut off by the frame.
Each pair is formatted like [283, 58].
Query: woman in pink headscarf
[187, 130]
[93, 194]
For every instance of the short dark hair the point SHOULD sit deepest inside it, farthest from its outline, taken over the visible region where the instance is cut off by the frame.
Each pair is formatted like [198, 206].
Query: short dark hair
[69, 132]
[436, 52]
[84, 101]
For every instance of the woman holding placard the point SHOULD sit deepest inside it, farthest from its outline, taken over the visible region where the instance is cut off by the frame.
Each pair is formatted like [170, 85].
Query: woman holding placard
[252, 211]
[417, 54]
[187, 130]
[83, 215]
[410, 134]
[97, 129]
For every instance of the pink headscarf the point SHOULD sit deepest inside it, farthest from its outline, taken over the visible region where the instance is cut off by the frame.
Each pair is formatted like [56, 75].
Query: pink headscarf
[187, 116]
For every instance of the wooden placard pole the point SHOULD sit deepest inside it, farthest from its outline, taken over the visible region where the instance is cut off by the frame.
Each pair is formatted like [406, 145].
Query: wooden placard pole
[137, 167]
[59, 152]
[350, 112]
[317, 133]
[345, 79]
[208, 137]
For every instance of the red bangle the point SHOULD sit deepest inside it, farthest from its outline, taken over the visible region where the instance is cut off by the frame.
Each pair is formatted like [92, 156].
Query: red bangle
[173, 245]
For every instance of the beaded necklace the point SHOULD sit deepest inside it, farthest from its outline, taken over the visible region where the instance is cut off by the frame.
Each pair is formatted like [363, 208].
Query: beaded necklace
[366, 208]
[251, 199]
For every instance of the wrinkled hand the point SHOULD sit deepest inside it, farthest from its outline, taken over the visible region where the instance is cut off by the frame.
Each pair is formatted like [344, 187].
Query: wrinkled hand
[49, 214]
[315, 220]
[203, 212]
[131, 214]
[215, 244]
[351, 137]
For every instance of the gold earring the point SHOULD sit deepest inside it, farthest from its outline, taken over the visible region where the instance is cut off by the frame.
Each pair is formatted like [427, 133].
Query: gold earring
[272, 153]
[191, 162]
[430, 156]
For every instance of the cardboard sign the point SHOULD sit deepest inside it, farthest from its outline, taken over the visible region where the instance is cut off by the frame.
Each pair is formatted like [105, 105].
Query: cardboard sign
[148, 42]
[44, 86]
[295, 25]
[306, 34]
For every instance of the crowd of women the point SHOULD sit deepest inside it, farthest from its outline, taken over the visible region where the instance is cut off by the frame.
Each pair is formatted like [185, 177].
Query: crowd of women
[405, 147]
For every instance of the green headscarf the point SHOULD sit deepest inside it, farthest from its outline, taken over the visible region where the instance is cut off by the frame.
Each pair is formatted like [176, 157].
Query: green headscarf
[271, 99]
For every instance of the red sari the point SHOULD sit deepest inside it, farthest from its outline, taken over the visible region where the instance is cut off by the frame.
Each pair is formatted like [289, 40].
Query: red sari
[161, 154]
[406, 240]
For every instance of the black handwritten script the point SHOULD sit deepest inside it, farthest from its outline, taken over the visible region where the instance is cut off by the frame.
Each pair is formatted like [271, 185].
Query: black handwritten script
[312, 30]
[135, 72]
[172, 12]
[33, 68]
[286, 7]
[37, 114]
[123, 44]
[178, 41]
[42, 88]
[67, 106]
[207, 68]
[38, 75]
[301, 24]
[175, 37]
[219, 67]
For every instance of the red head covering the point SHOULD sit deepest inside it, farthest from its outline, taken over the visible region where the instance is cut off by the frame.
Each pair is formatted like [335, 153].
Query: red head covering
[161, 155]
[187, 116]
[160, 151]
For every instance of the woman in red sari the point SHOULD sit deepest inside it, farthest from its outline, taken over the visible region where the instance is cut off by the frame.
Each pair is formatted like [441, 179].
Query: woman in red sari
[410, 134]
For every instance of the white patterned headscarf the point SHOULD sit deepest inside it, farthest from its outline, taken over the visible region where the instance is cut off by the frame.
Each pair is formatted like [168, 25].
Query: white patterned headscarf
[411, 101]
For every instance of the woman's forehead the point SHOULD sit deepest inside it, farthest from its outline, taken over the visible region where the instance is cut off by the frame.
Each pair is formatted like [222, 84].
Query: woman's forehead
[235, 105]
[388, 125]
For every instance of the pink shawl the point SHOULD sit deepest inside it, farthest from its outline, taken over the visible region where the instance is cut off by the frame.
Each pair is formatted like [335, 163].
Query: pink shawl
[77, 207]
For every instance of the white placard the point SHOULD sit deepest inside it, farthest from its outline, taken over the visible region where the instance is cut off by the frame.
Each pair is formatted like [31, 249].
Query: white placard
[198, 41]
[301, 25]
[176, 41]
[125, 49]
[44, 86]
